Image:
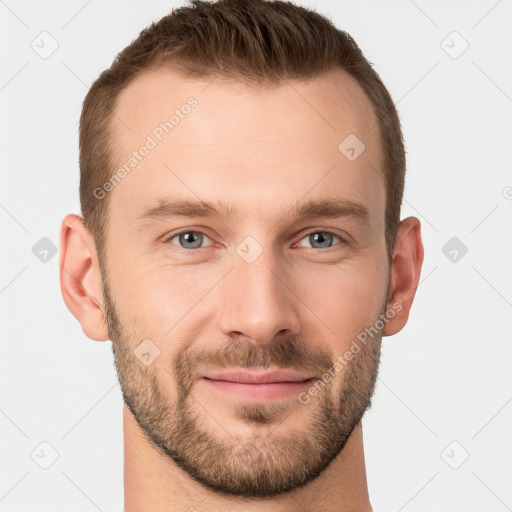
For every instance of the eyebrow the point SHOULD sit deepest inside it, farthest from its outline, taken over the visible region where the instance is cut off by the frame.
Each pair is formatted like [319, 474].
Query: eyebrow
[324, 208]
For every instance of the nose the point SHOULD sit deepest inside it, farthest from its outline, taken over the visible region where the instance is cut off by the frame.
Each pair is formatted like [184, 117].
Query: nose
[259, 300]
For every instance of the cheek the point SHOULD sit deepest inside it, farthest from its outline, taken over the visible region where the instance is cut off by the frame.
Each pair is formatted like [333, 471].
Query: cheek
[347, 299]
[160, 302]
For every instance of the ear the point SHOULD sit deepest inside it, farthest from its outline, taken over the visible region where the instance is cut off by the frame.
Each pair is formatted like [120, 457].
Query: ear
[405, 273]
[80, 278]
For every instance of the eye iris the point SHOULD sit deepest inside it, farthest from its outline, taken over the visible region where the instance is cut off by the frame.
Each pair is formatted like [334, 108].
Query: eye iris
[320, 237]
[188, 237]
[195, 239]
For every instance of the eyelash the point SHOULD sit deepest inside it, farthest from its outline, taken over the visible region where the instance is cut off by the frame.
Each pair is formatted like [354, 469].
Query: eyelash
[343, 241]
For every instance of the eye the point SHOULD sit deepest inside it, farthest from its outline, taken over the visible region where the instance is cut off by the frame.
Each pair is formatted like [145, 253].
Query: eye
[321, 239]
[189, 239]
[194, 239]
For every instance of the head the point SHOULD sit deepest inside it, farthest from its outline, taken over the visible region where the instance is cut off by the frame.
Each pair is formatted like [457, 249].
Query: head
[242, 171]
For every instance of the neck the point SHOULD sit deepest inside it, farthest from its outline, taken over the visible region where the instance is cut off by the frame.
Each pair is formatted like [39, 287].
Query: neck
[154, 482]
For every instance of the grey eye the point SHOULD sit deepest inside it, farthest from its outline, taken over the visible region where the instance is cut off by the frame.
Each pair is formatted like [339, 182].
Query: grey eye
[189, 239]
[321, 239]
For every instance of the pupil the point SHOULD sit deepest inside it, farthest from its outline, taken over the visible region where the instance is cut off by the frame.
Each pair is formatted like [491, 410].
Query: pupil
[188, 238]
[320, 237]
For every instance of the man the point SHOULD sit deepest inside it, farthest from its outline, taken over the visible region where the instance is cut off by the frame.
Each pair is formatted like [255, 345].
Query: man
[242, 170]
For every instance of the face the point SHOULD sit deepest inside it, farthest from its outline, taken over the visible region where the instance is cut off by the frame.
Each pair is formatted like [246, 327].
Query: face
[275, 277]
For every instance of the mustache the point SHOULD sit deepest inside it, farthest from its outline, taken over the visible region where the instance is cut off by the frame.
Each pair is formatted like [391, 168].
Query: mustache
[282, 352]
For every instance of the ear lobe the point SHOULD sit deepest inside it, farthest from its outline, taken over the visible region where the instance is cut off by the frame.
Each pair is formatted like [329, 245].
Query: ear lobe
[80, 279]
[405, 273]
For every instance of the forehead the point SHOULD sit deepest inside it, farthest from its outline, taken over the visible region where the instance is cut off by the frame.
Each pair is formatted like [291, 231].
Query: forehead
[333, 98]
[275, 143]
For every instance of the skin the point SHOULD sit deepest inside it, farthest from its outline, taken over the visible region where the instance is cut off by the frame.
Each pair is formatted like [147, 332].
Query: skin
[262, 150]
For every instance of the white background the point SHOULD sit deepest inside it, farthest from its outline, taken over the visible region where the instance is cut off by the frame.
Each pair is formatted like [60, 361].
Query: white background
[446, 377]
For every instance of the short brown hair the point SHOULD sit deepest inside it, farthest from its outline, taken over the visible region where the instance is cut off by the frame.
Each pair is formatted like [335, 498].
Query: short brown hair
[256, 41]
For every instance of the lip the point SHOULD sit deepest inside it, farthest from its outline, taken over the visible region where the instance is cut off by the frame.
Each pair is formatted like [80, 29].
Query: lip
[257, 387]
[267, 377]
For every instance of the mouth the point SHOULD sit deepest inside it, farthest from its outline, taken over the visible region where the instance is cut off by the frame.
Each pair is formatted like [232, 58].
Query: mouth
[257, 386]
